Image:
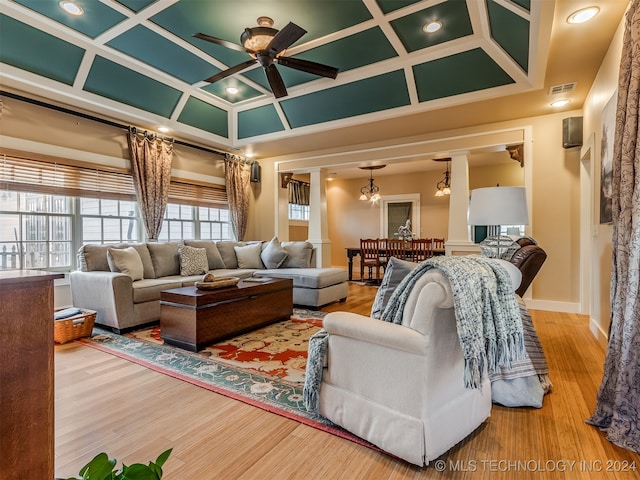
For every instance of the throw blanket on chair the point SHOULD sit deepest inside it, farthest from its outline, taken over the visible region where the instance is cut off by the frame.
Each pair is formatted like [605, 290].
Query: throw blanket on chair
[487, 319]
[487, 313]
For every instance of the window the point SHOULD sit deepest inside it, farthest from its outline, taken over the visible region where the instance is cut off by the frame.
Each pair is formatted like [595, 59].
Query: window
[189, 222]
[36, 231]
[178, 224]
[214, 223]
[109, 221]
[298, 212]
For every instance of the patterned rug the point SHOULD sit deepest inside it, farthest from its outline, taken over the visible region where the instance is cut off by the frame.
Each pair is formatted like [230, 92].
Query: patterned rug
[264, 368]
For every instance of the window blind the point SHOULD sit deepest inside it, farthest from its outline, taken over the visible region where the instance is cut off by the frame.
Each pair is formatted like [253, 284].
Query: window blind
[203, 195]
[299, 192]
[56, 178]
[78, 179]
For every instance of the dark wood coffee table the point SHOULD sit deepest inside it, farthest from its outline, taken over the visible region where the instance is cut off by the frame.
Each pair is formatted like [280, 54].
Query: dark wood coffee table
[192, 319]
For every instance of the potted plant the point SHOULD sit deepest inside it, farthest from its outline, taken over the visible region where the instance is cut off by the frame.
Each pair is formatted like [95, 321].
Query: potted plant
[104, 468]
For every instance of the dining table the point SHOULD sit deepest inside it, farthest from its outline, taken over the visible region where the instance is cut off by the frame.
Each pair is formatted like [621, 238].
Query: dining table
[355, 251]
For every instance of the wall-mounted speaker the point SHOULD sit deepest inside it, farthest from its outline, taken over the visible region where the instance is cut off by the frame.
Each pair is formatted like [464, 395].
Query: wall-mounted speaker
[255, 172]
[572, 132]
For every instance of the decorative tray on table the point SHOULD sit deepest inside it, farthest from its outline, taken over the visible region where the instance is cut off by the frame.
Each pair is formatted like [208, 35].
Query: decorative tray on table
[218, 283]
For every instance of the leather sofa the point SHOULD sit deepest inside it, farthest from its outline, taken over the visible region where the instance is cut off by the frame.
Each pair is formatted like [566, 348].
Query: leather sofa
[123, 303]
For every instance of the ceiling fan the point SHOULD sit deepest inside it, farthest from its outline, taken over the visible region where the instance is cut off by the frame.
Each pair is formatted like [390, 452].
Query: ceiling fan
[265, 44]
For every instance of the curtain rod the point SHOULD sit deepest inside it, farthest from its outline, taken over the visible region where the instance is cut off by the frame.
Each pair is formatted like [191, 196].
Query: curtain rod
[99, 120]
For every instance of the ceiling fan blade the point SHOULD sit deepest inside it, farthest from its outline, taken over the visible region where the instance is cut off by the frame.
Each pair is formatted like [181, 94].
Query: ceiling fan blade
[286, 37]
[219, 41]
[275, 81]
[230, 71]
[309, 66]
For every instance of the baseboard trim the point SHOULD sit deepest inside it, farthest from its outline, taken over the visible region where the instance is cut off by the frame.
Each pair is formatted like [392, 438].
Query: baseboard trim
[552, 306]
[601, 336]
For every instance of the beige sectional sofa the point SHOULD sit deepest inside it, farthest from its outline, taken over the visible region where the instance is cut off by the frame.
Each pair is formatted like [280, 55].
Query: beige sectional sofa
[122, 283]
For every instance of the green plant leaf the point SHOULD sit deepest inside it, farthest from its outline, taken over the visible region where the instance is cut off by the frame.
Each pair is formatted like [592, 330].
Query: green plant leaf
[138, 471]
[163, 457]
[99, 468]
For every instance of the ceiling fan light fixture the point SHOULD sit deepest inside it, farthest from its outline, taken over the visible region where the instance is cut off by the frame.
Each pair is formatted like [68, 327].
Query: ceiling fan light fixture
[258, 38]
[432, 26]
[583, 15]
[71, 8]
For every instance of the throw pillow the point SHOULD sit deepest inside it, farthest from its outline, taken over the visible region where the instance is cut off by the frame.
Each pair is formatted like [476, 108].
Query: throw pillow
[228, 254]
[299, 254]
[193, 261]
[249, 256]
[213, 254]
[394, 274]
[127, 261]
[165, 258]
[273, 255]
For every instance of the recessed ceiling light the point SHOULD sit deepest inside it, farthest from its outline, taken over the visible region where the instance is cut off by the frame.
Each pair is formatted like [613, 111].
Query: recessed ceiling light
[249, 154]
[71, 7]
[583, 15]
[232, 90]
[432, 27]
[560, 103]
[164, 129]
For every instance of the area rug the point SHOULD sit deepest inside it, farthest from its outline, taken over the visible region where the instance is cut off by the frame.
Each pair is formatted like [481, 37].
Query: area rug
[264, 368]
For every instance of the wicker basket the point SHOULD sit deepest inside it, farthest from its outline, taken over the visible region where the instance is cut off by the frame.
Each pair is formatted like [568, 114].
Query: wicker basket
[78, 326]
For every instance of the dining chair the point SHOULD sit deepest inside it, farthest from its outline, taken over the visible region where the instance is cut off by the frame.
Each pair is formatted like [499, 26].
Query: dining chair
[370, 257]
[437, 244]
[421, 249]
[396, 248]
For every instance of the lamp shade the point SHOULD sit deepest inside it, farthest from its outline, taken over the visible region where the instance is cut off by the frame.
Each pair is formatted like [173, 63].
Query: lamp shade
[498, 206]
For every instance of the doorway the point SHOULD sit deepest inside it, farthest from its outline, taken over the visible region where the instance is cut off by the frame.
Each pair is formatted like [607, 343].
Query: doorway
[396, 210]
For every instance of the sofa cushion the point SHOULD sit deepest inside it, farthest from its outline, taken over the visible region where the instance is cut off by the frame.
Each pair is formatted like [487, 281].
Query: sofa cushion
[165, 258]
[273, 255]
[308, 277]
[248, 256]
[148, 290]
[213, 255]
[126, 261]
[193, 261]
[299, 254]
[93, 258]
[395, 272]
[228, 254]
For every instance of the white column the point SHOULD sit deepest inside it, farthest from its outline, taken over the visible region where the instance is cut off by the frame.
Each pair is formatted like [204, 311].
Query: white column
[459, 238]
[282, 208]
[318, 225]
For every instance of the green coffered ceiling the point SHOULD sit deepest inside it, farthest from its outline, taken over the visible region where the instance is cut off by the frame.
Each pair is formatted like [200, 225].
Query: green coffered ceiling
[137, 60]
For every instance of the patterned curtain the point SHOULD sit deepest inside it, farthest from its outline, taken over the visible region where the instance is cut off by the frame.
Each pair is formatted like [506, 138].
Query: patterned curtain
[299, 192]
[236, 175]
[151, 170]
[618, 403]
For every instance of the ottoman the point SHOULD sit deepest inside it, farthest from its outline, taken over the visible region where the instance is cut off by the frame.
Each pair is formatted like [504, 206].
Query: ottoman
[313, 287]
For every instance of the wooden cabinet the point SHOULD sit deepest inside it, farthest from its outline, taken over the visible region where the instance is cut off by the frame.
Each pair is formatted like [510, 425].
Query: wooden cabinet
[26, 375]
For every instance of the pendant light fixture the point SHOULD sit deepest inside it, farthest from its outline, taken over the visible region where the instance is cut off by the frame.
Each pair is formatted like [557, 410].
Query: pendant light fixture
[371, 191]
[444, 186]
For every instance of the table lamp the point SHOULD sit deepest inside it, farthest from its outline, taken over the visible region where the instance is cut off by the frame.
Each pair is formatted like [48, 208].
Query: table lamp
[498, 206]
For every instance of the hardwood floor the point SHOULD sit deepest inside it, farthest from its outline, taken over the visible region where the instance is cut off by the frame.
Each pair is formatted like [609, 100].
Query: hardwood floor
[104, 403]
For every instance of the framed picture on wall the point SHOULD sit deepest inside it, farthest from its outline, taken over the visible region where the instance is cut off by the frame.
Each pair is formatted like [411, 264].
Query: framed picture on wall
[606, 159]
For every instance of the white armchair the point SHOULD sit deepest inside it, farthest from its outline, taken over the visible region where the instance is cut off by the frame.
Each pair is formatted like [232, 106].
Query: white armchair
[401, 387]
